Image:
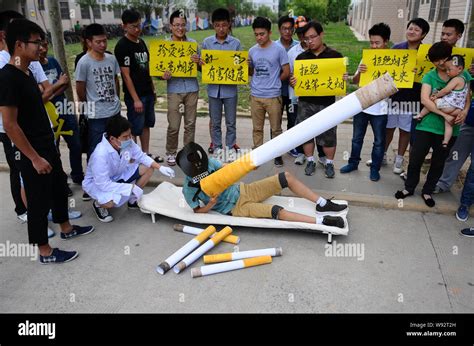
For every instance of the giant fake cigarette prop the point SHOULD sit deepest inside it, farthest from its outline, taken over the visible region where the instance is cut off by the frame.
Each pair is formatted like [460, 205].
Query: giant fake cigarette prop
[231, 256]
[191, 258]
[186, 249]
[329, 117]
[228, 266]
[232, 239]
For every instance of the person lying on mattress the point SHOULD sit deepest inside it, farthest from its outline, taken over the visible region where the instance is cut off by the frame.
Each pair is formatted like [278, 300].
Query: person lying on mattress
[118, 170]
[245, 200]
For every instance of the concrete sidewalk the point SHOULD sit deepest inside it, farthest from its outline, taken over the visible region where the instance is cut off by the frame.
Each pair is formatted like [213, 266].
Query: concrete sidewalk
[355, 187]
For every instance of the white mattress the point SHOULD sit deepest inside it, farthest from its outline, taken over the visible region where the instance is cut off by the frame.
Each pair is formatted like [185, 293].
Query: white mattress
[168, 200]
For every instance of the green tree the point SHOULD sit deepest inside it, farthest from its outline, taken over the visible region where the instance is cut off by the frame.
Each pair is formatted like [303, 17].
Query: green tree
[337, 10]
[265, 11]
[315, 9]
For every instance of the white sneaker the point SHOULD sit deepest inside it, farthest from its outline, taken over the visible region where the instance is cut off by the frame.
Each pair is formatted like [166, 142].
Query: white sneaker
[300, 160]
[171, 159]
[219, 154]
[23, 217]
[398, 166]
[51, 233]
[102, 214]
[231, 155]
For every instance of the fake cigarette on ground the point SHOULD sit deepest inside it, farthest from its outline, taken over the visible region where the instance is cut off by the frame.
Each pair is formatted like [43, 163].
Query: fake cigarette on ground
[228, 266]
[192, 257]
[232, 256]
[186, 249]
[232, 239]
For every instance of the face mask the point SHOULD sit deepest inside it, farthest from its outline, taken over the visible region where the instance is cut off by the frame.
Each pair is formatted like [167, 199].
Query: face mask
[125, 144]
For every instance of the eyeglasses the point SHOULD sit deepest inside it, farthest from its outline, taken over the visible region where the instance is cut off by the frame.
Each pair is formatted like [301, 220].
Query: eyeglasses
[290, 29]
[181, 26]
[310, 38]
[34, 42]
[221, 26]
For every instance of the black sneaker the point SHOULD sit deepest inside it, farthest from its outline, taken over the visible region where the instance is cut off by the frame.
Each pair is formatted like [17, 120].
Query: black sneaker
[69, 191]
[59, 256]
[333, 221]
[86, 197]
[77, 231]
[278, 161]
[310, 168]
[329, 170]
[133, 205]
[330, 208]
[102, 213]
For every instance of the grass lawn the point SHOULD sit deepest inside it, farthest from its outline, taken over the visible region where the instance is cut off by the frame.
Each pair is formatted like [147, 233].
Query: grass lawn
[337, 35]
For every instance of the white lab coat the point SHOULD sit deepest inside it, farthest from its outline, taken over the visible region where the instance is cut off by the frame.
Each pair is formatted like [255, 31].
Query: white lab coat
[106, 166]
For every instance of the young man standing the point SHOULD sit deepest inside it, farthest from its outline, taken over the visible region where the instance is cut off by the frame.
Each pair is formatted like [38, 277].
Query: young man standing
[180, 91]
[28, 126]
[118, 170]
[60, 83]
[268, 67]
[97, 83]
[222, 95]
[379, 36]
[309, 105]
[133, 58]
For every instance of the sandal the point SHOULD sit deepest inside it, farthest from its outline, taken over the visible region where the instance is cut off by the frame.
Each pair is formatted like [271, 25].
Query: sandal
[157, 158]
[430, 202]
[401, 194]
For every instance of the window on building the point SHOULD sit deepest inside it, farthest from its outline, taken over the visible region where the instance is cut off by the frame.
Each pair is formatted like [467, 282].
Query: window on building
[443, 10]
[117, 13]
[64, 9]
[431, 16]
[416, 7]
[85, 12]
[97, 12]
[104, 8]
[40, 5]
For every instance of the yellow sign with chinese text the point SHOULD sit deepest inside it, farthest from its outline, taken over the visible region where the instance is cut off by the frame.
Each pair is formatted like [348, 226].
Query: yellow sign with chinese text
[320, 77]
[225, 67]
[399, 63]
[424, 64]
[172, 56]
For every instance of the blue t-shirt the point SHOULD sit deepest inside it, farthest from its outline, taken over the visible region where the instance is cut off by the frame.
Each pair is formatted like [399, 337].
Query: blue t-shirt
[267, 64]
[226, 200]
[53, 71]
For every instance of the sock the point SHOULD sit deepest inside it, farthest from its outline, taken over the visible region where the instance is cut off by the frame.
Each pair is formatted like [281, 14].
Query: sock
[310, 158]
[399, 158]
[319, 220]
[329, 161]
[321, 202]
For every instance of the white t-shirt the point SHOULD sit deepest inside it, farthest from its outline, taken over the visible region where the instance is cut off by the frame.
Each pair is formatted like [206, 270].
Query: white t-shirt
[35, 68]
[292, 54]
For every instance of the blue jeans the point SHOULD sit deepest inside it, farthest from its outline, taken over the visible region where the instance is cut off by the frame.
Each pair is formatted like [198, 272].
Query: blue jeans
[467, 196]
[230, 112]
[96, 130]
[360, 123]
[74, 145]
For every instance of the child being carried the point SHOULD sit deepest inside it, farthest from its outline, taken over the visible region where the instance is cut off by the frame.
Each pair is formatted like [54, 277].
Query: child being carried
[452, 98]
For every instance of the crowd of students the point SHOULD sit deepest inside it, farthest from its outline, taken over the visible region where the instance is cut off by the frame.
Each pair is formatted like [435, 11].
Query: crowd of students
[118, 168]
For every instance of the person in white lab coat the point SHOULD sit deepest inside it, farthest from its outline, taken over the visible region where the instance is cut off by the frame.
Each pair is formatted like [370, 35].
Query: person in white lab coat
[118, 170]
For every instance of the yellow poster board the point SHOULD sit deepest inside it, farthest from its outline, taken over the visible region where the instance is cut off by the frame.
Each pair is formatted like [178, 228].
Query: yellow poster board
[225, 67]
[399, 63]
[424, 64]
[173, 56]
[320, 77]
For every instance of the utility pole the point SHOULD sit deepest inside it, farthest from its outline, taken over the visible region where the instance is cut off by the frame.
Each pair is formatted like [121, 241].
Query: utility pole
[58, 42]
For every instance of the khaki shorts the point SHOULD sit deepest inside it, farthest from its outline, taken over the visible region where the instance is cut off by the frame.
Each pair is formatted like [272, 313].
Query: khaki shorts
[251, 195]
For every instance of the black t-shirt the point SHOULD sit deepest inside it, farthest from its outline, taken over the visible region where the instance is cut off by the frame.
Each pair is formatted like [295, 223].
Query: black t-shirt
[21, 90]
[136, 57]
[327, 53]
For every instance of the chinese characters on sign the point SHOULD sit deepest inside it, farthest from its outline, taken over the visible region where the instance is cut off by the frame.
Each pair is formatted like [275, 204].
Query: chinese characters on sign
[399, 63]
[172, 56]
[424, 64]
[224, 67]
[320, 77]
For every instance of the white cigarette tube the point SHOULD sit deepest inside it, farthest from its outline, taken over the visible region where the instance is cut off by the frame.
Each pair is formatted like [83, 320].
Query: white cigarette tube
[329, 117]
[186, 249]
[228, 266]
[232, 256]
[232, 239]
[192, 257]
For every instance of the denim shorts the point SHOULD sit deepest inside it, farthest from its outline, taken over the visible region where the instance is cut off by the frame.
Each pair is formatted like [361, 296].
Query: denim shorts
[134, 177]
[141, 120]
